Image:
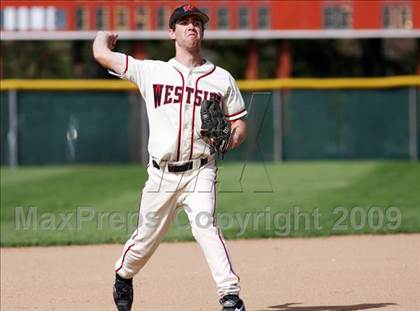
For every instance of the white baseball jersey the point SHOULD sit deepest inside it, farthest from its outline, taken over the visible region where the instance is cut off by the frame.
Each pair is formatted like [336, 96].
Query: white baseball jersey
[173, 95]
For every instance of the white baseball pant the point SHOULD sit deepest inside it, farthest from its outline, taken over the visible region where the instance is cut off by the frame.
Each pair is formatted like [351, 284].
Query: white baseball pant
[163, 193]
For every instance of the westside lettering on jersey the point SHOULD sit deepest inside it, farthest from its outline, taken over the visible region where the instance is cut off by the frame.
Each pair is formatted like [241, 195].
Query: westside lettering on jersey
[173, 94]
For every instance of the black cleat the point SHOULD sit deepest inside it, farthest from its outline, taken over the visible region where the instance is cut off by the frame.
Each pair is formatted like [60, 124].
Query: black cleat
[123, 293]
[232, 303]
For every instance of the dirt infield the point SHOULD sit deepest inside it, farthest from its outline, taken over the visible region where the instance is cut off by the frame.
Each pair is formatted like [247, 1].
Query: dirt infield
[316, 274]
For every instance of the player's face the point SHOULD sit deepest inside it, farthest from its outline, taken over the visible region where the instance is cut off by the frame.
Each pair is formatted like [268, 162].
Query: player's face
[188, 32]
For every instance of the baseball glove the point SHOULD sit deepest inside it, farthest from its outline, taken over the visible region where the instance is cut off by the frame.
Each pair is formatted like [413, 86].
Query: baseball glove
[214, 127]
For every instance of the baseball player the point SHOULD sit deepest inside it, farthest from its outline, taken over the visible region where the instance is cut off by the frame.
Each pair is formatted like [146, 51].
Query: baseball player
[182, 168]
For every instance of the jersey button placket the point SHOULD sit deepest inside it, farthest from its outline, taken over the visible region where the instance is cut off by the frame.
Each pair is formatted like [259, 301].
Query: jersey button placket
[187, 123]
[189, 79]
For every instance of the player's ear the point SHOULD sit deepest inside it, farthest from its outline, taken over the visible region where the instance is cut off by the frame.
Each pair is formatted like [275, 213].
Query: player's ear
[172, 33]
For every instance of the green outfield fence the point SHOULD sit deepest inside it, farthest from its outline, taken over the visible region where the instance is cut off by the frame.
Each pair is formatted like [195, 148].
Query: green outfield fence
[104, 121]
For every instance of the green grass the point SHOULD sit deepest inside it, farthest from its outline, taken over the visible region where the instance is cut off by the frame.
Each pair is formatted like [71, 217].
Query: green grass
[254, 200]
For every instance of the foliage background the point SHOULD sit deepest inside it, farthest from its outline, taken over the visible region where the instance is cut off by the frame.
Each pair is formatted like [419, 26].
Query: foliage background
[311, 58]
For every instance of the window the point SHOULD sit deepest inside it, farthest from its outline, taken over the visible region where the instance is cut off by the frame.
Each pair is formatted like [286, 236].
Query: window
[1, 19]
[338, 16]
[162, 18]
[9, 18]
[60, 19]
[101, 18]
[397, 16]
[22, 18]
[50, 18]
[37, 18]
[142, 18]
[264, 21]
[81, 18]
[243, 18]
[122, 18]
[222, 18]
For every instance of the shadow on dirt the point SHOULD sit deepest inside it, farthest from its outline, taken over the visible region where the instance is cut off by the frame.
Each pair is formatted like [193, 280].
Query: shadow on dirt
[294, 307]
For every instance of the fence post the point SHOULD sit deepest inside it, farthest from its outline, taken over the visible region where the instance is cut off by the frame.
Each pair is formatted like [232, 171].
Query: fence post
[12, 134]
[278, 126]
[412, 123]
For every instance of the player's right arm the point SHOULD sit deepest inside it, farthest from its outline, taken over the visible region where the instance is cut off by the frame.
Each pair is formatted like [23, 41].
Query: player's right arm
[103, 53]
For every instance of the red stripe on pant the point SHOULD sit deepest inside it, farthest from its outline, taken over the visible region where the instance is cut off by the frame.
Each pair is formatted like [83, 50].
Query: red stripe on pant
[218, 230]
[126, 251]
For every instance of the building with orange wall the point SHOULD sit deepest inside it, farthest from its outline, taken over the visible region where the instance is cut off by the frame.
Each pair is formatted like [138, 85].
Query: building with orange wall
[250, 20]
[77, 15]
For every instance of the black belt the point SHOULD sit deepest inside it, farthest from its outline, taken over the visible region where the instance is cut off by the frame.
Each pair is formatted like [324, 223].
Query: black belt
[181, 168]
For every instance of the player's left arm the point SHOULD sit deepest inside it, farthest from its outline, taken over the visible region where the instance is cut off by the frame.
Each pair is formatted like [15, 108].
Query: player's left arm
[238, 133]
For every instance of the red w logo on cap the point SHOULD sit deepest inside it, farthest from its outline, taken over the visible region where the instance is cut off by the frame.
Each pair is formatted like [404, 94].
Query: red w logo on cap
[188, 8]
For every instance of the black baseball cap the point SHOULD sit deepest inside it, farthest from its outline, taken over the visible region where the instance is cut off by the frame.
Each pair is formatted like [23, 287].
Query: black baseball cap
[186, 10]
